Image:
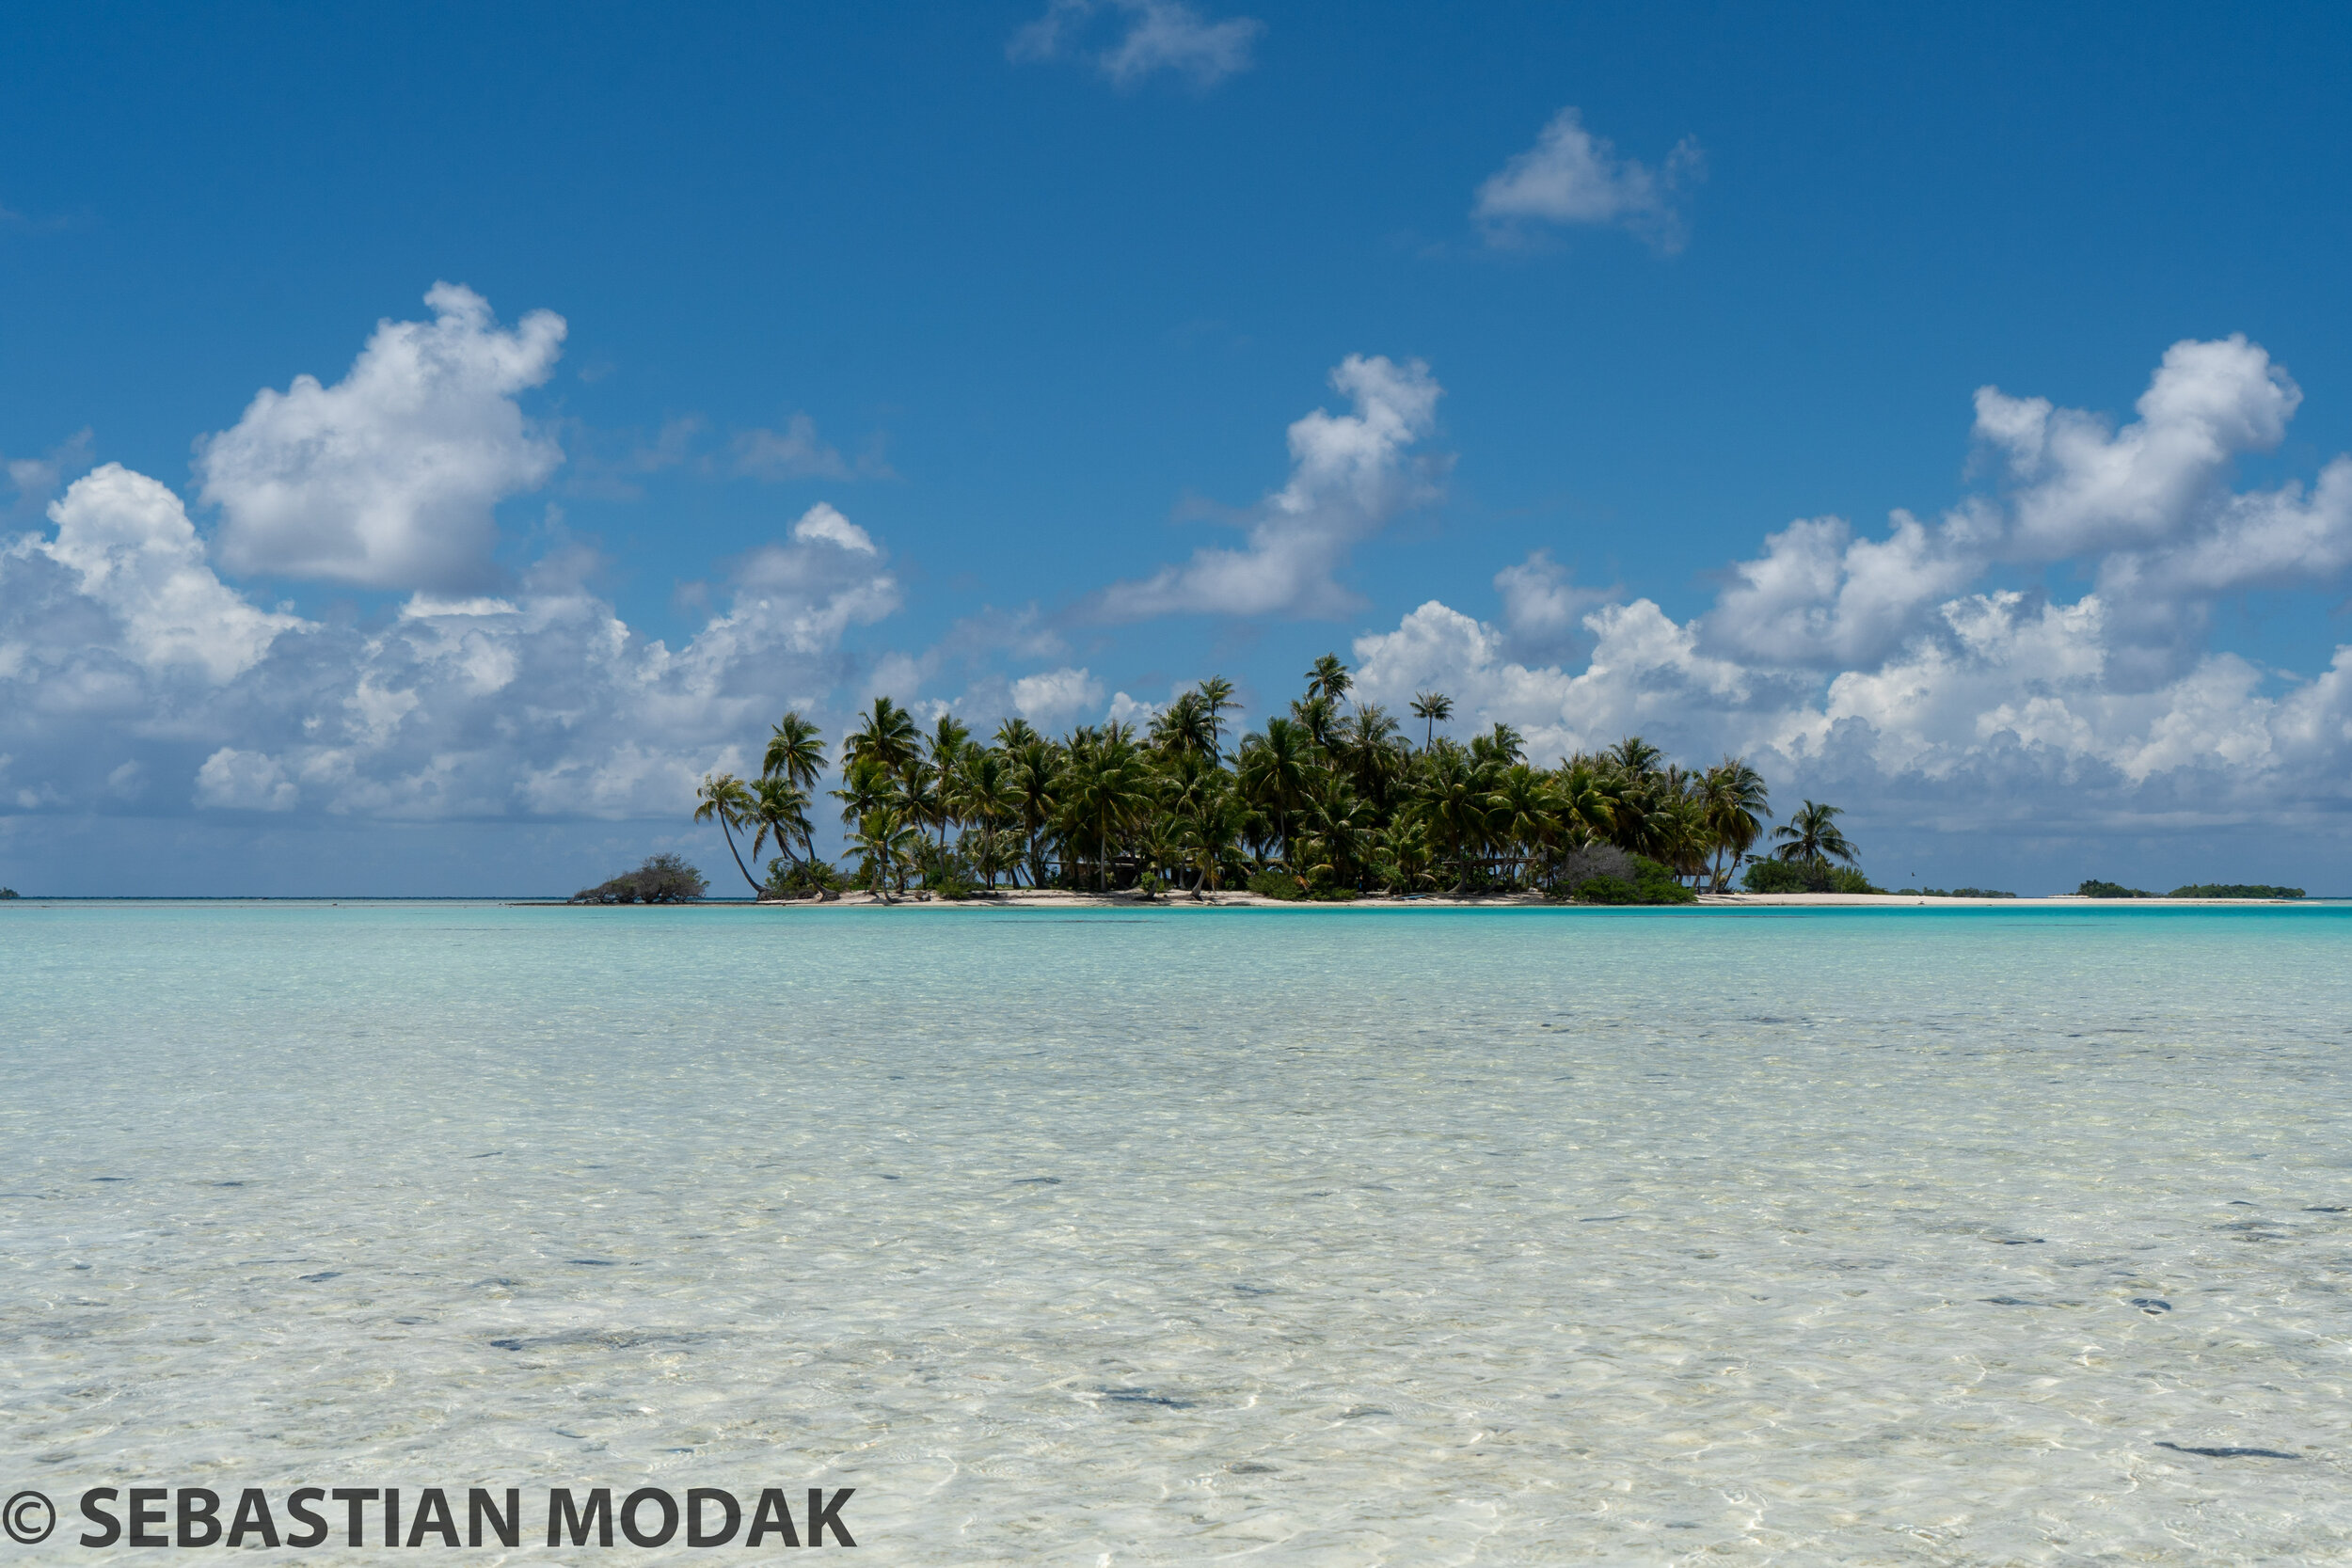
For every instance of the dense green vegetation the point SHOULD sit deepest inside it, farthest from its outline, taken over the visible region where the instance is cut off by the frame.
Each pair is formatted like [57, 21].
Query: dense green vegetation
[1327, 800]
[2198, 890]
[663, 880]
[7, 892]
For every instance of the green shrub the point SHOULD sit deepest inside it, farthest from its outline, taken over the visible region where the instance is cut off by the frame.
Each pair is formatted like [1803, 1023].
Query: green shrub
[1580, 866]
[2234, 889]
[1773, 876]
[802, 880]
[663, 880]
[2096, 889]
[1777, 876]
[1271, 883]
[1652, 883]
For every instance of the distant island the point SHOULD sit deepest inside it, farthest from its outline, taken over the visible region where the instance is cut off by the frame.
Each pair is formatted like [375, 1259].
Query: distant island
[1328, 803]
[1331, 801]
[2199, 890]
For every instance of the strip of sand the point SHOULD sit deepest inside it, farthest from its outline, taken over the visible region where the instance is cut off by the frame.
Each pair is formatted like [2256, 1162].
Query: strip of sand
[1052, 898]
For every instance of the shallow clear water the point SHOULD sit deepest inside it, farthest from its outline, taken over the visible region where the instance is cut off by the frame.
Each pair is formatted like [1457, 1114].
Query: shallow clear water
[1313, 1237]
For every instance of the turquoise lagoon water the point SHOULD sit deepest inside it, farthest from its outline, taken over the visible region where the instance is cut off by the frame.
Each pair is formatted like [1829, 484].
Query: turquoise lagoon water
[1296, 1237]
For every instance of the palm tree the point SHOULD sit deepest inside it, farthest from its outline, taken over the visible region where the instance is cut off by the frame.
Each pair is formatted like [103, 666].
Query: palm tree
[948, 739]
[1367, 743]
[1524, 812]
[865, 788]
[1435, 706]
[982, 790]
[1104, 790]
[1736, 803]
[796, 752]
[887, 841]
[722, 797]
[1588, 808]
[1185, 728]
[1328, 678]
[780, 809]
[1454, 793]
[1274, 773]
[1013, 734]
[1318, 715]
[1216, 695]
[1337, 839]
[1812, 835]
[1501, 745]
[1198, 797]
[1034, 767]
[885, 735]
[1636, 758]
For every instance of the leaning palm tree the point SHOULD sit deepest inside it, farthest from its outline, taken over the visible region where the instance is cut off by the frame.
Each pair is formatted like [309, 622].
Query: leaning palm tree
[722, 798]
[796, 754]
[796, 751]
[1435, 706]
[1812, 835]
[781, 810]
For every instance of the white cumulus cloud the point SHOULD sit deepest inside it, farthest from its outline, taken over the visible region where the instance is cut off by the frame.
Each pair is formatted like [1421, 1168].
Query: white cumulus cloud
[1053, 698]
[1350, 473]
[117, 635]
[388, 477]
[1570, 176]
[129, 543]
[1887, 671]
[1152, 36]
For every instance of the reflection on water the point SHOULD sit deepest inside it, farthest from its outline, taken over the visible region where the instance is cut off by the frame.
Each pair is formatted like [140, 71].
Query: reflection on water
[1333, 1237]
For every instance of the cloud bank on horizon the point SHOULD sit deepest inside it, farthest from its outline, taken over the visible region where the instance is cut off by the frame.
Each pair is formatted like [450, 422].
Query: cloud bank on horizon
[1921, 665]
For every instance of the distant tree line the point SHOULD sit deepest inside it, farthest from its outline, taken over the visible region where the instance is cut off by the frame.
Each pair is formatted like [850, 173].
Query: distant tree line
[2095, 889]
[1330, 799]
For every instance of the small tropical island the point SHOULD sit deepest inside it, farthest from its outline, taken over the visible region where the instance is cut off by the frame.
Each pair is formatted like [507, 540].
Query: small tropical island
[1329, 802]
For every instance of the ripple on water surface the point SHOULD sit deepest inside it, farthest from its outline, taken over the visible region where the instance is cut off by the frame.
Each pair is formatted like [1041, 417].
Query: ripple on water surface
[1337, 1237]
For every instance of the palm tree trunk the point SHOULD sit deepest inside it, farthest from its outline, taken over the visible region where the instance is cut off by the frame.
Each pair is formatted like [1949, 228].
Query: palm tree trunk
[739, 858]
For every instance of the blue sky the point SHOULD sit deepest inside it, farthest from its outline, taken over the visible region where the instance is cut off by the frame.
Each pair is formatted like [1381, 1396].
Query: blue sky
[1029, 300]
